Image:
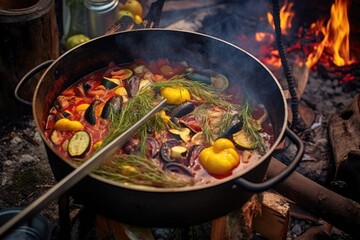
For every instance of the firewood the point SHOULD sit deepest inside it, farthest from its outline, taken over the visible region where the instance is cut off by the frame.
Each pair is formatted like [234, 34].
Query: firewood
[107, 229]
[29, 37]
[317, 232]
[335, 209]
[273, 221]
[297, 212]
[238, 224]
[344, 134]
[218, 228]
[110, 229]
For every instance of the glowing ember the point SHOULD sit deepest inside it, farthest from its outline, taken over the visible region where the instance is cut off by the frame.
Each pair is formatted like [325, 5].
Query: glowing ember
[269, 55]
[336, 36]
[273, 59]
[286, 16]
[264, 37]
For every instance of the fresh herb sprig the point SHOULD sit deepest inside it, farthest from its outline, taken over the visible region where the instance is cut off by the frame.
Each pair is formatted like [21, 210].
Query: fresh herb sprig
[133, 111]
[251, 127]
[198, 90]
[139, 170]
[227, 119]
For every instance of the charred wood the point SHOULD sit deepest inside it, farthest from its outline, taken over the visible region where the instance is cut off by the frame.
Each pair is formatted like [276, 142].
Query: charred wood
[344, 134]
[317, 232]
[337, 210]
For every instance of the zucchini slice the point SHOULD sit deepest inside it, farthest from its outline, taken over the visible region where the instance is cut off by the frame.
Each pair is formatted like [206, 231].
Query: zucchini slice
[110, 83]
[114, 81]
[243, 140]
[127, 74]
[200, 77]
[219, 82]
[79, 143]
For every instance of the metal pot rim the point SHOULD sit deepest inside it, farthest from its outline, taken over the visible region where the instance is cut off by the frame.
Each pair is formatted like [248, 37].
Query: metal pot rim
[178, 189]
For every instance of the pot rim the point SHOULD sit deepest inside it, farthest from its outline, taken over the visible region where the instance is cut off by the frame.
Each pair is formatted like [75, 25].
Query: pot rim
[174, 189]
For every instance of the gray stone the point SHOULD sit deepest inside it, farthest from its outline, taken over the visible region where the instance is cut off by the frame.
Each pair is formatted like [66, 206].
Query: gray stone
[297, 229]
[27, 160]
[16, 140]
[338, 91]
[8, 163]
[4, 181]
[37, 137]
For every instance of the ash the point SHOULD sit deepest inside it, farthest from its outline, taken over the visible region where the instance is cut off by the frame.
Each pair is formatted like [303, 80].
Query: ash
[25, 173]
[326, 97]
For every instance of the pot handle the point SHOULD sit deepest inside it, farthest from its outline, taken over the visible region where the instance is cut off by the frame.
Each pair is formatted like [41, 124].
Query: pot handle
[259, 187]
[27, 76]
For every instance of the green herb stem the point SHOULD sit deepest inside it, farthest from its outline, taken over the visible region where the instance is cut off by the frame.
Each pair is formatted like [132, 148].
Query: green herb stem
[137, 170]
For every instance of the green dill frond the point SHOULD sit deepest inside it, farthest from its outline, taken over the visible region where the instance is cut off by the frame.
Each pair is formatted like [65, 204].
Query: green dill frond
[226, 120]
[133, 110]
[250, 126]
[139, 170]
[197, 89]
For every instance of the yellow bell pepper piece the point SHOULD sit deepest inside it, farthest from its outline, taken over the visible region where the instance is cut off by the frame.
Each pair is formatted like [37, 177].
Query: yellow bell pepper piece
[82, 107]
[165, 118]
[121, 91]
[220, 158]
[97, 145]
[65, 124]
[175, 95]
[138, 19]
[127, 170]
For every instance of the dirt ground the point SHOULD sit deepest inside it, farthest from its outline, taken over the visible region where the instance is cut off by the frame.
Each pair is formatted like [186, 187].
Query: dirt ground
[25, 173]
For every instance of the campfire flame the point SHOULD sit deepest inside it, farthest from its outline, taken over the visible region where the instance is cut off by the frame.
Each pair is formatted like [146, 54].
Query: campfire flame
[336, 36]
[269, 54]
[332, 44]
[286, 17]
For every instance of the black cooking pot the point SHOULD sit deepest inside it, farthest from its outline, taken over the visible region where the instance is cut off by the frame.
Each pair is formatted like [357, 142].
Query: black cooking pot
[170, 207]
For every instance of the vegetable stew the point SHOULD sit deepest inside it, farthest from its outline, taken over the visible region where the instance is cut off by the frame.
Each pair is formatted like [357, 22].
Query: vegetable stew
[207, 131]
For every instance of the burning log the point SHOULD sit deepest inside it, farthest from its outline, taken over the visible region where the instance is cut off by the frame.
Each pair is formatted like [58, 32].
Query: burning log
[344, 132]
[337, 210]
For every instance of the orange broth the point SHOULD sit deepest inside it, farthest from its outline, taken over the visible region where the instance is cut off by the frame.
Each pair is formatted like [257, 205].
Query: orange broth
[89, 89]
